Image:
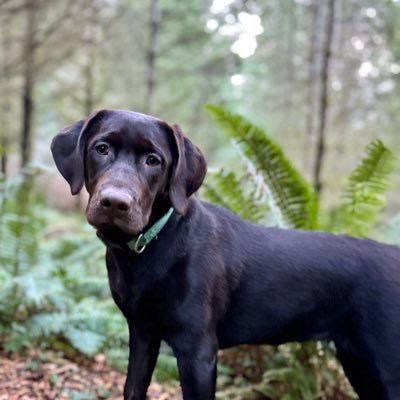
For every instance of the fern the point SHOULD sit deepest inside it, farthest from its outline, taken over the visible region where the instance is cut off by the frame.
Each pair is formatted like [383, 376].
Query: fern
[47, 324]
[365, 193]
[225, 189]
[19, 225]
[294, 196]
[88, 342]
[166, 369]
[47, 280]
[302, 383]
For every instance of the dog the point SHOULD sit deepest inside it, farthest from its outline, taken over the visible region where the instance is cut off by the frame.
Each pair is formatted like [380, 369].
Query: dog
[200, 278]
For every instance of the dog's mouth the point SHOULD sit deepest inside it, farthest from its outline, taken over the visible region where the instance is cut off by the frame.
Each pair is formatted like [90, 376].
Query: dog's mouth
[113, 234]
[113, 227]
[126, 224]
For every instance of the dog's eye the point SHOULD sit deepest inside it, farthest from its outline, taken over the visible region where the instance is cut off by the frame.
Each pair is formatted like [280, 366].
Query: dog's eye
[102, 149]
[153, 160]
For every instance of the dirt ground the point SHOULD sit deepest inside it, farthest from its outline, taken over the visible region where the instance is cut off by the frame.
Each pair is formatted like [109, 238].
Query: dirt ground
[54, 378]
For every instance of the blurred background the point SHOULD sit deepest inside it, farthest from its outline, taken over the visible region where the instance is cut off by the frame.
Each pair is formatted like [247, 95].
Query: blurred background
[319, 78]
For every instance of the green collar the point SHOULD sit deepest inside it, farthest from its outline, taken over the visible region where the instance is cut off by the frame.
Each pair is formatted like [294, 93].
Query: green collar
[139, 243]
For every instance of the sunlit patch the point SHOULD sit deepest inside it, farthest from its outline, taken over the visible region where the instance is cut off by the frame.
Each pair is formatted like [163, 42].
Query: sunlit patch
[394, 68]
[237, 80]
[366, 69]
[218, 6]
[370, 12]
[250, 26]
[336, 85]
[229, 29]
[251, 23]
[385, 87]
[211, 25]
[245, 46]
[230, 19]
[245, 26]
[357, 43]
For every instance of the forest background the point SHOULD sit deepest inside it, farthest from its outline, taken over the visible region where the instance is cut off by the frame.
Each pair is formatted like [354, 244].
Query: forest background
[321, 77]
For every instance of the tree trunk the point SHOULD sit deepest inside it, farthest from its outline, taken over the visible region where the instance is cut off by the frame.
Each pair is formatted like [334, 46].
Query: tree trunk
[314, 61]
[28, 85]
[322, 98]
[89, 83]
[4, 143]
[5, 106]
[155, 19]
[291, 28]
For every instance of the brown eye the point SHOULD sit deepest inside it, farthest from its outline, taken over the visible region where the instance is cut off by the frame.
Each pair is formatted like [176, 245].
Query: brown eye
[153, 160]
[102, 149]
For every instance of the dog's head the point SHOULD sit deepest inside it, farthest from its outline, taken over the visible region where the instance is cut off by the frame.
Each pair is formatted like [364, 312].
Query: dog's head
[131, 165]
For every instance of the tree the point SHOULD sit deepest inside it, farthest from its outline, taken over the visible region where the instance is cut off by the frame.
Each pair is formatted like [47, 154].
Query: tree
[154, 27]
[29, 80]
[46, 43]
[328, 10]
[5, 99]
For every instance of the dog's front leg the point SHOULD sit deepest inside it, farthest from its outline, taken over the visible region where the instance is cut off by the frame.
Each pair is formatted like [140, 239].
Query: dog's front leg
[144, 345]
[198, 372]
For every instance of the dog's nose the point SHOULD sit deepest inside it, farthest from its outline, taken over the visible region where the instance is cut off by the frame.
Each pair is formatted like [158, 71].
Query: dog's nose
[115, 200]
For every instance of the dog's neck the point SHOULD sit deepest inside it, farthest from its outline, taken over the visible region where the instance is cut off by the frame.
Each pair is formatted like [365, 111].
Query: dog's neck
[160, 207]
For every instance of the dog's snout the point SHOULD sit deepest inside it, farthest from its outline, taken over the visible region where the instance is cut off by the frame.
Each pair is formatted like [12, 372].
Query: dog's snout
[115, 200]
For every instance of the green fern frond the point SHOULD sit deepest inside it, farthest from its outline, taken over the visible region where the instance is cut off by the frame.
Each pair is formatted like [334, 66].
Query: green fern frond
[365, 193]
[294, 196]
[19, 224]
[47, 324]
[166, 369]
[88, 342]
[227, 190]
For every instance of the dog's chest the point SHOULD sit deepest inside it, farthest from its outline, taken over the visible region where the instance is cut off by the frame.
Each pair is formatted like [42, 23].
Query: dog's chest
[140, 293]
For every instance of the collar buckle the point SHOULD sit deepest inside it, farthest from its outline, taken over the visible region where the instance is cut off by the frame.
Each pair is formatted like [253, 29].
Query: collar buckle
[137, 248]
[138, 244]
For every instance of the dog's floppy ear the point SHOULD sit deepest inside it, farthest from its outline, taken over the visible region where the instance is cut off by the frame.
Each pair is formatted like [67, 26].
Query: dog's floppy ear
[68, 148]
[188, 172]
[66, 155]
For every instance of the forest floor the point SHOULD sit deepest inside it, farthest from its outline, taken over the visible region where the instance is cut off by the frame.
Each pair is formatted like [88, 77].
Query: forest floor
[50, 377]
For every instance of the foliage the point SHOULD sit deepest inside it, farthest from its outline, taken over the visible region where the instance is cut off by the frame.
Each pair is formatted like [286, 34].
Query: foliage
[365, 193]
[226, 190]
[286, 192]
[18, 233]
[54, 283]
[292, 371]
[293, 195]
[46, 299]
[167, 369]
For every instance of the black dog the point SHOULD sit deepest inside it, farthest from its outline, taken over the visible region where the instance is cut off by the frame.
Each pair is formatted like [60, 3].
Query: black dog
[200, 278]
